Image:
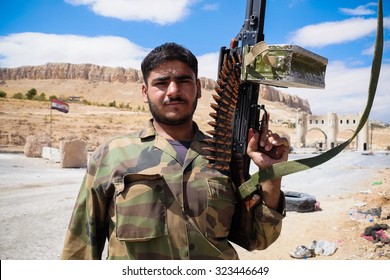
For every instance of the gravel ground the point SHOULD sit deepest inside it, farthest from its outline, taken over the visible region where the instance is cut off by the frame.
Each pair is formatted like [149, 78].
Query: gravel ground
[37, 197]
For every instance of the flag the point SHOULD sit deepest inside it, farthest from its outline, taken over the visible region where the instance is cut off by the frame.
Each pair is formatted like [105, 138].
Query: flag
[59, 105]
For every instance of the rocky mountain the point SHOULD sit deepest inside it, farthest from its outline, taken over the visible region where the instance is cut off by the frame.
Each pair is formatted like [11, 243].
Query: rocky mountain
[70, 71]
[293, 101]
[95, 73]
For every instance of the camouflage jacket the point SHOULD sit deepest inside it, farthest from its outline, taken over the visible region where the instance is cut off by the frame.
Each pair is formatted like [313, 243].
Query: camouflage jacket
[148, 205]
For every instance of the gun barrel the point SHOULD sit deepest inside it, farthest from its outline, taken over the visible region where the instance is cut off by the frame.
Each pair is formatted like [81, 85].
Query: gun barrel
[253, 27]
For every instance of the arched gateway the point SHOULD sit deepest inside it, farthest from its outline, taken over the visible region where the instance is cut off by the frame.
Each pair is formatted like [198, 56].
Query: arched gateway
[330, 125]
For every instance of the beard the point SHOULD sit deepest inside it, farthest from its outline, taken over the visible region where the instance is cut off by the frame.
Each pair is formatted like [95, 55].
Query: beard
[179, 120]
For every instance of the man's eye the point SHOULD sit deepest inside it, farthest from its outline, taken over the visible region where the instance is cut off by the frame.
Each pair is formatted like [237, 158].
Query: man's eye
[185, 81]
[160, 83]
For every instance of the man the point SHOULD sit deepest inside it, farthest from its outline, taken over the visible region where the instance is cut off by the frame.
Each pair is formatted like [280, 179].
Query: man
[150, 193]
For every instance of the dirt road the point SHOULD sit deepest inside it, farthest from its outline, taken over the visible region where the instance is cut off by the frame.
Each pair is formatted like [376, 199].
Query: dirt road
[37, 197]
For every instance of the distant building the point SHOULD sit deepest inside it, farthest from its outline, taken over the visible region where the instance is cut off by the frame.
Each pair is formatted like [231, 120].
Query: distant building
[330, 125]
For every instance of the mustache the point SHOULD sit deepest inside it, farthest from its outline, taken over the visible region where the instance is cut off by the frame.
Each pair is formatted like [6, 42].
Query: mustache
[174, 99]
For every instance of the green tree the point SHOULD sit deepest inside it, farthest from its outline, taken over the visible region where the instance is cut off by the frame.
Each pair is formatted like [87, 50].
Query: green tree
[31, 94]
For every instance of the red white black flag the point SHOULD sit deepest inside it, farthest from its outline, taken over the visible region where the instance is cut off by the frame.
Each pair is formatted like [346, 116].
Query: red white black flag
[59, 105]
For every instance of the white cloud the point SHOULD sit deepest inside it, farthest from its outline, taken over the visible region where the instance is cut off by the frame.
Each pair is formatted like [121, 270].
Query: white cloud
[360, 10]
[39, 48]
[293, 3]
[208, 65]
[336, 32]
[370, 50]
[160, 12]
[210, 7]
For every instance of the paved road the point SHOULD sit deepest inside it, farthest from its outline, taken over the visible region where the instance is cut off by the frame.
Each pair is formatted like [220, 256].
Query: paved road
[348, 172]
[36, 200]
[37, 197]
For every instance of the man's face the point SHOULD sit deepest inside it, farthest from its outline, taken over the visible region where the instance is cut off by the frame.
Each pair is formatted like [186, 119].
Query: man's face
[172, 93]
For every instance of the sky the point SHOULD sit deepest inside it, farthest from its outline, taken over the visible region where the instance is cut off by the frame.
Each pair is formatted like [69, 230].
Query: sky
[119, 33]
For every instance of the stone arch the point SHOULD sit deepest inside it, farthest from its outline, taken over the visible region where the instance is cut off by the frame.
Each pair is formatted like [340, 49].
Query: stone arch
[320, 145]
[330, 125]
[341, 139]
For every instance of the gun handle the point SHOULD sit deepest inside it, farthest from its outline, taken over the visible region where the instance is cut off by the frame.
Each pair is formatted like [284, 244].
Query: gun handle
[276, 152]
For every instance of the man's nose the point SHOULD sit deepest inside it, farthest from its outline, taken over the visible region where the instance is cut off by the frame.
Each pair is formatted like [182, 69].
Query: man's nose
[173, 89]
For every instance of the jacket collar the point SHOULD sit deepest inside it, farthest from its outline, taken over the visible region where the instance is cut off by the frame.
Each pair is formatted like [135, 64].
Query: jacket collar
[198, 142]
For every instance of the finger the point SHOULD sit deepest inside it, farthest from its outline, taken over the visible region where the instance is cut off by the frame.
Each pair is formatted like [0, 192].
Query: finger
[264, 130]
[254, 141]
[270, 142]
[266, 125]
[264, 139]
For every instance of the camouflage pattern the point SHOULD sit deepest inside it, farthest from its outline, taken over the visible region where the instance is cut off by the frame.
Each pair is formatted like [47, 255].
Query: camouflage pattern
[148, 205]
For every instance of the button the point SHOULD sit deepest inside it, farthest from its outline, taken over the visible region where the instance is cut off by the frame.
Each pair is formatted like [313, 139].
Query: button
[158, 188]
[191, 246]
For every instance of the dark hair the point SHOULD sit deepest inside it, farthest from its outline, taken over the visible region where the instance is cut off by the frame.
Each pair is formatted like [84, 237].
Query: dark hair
[168, 52]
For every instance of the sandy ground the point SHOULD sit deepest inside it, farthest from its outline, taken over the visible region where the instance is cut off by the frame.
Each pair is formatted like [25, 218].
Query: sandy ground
[37, 197]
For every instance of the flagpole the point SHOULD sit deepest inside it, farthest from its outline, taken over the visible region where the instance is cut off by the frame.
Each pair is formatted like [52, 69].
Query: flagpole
[50, 128]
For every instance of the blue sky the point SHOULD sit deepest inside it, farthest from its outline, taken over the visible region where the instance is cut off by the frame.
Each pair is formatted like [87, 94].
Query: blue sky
[121, 32]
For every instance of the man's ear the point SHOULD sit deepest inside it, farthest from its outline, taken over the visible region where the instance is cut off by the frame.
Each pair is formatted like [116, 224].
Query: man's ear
[144, 90]
[199, 88]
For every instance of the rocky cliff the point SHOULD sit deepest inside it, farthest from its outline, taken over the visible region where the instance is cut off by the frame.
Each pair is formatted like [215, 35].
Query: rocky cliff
[62, 71]
[293, 101]
[96, 73]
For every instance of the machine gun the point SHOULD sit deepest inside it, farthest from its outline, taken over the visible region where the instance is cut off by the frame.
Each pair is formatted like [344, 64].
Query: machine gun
[248, 63]
[242, 67]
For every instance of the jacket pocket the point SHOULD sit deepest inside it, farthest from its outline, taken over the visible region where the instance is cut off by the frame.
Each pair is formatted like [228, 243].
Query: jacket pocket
[140, 207]
[221, 203]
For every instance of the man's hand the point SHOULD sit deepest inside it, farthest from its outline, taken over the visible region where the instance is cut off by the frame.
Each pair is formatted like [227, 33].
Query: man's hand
[270, 188]
[268, 140]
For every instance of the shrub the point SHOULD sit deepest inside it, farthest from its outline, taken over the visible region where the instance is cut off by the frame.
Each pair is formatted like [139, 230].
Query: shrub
[41, 97]
[31, 93]
[18, 95]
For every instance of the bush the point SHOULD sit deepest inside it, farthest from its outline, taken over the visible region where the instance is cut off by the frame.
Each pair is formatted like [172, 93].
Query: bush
[86, 102]
[3, 94]
[18, 95]
[41, 97]
[31, 94]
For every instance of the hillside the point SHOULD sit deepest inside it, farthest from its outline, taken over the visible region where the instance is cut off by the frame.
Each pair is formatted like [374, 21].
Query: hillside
[100, 79]
[94, 124]
[99, 86]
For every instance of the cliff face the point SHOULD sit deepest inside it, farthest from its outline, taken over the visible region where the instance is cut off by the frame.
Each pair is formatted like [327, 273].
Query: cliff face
[71, 71]
[96, 73]
[293, 101]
